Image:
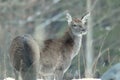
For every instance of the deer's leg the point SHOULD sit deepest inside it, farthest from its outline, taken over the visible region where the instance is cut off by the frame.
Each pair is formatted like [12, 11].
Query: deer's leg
[59, 75]
[16, 75]
[29, 74]
[48, 78]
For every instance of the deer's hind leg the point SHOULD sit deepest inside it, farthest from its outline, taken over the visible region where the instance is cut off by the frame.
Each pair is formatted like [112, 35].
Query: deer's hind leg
[59, 74]
[16, 74]
[29, 75]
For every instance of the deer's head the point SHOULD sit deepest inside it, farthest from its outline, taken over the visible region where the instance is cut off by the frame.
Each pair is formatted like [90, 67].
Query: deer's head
[77, 26]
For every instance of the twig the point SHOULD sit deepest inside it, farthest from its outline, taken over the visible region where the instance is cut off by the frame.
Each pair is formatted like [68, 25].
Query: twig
[96, 60]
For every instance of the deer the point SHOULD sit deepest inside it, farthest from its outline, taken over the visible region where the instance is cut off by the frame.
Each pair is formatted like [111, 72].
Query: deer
[48, 58]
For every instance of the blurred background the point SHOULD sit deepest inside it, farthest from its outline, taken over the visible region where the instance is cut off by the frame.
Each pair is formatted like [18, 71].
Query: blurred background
[19, 17]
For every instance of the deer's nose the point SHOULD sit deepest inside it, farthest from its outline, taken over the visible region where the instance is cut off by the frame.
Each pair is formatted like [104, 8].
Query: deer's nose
[83, 29]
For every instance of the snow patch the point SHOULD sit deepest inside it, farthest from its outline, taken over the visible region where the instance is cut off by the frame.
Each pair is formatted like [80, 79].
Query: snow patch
[10, 78]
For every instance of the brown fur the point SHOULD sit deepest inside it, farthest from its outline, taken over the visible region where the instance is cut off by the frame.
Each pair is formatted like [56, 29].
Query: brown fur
[55, 48]
[56, 56]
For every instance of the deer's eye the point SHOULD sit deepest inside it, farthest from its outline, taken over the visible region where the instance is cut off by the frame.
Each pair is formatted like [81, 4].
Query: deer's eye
[75, 26]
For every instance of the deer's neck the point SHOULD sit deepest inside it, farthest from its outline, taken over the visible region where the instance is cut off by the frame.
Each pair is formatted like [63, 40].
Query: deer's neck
[72, 42]
[77, 45]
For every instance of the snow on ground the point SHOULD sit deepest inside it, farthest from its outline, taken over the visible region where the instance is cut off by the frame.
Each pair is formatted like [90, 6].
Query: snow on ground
[9, 78]
[87, 79]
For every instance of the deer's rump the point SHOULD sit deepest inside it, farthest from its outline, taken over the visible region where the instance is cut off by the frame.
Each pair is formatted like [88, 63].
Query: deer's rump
[21, 53]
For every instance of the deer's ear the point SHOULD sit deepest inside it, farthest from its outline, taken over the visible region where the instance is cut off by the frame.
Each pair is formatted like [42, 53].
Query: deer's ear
[69, 18]
[85, 18]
